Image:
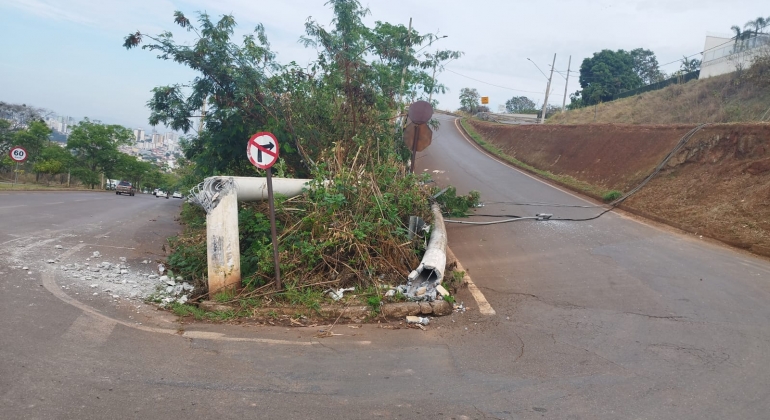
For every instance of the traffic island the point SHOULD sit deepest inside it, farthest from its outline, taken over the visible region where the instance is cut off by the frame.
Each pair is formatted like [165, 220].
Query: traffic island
[349, 313]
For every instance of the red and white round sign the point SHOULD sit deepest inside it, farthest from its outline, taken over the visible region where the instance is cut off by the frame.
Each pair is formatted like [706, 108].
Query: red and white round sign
[18, 154]
[262, 150]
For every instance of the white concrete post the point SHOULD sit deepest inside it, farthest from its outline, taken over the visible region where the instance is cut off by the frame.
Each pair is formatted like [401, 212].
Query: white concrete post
[222, 245]
[219, 196]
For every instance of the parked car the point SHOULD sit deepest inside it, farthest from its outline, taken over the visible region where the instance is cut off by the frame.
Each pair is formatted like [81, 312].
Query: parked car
[161, 193]
[155, 192]
[177, 194]
[125, 187]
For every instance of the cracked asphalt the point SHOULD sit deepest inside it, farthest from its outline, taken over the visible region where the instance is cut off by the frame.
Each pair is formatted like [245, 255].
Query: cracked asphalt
[607, 319]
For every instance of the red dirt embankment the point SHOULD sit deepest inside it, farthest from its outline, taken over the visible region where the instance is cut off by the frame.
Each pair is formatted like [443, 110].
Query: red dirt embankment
[718, 185]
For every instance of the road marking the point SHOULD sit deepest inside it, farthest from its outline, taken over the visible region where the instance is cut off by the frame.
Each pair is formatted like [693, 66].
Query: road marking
[12, 207]
[58, 202]
[484, 307]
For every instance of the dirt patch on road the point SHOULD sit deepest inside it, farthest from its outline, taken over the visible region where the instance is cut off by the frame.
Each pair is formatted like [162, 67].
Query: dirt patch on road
[718, 185]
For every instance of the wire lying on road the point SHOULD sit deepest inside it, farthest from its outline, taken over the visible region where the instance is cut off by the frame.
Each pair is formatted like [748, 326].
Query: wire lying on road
[545, 217]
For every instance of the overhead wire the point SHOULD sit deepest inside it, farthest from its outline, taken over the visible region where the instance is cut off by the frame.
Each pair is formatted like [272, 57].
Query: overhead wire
[612, 205]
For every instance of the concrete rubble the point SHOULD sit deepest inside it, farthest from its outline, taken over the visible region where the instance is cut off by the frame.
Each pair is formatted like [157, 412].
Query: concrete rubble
[118, 281]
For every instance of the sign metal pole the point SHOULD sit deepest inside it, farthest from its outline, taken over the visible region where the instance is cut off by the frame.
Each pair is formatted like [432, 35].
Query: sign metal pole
[272, 227]
[16, 175]
[414, 146]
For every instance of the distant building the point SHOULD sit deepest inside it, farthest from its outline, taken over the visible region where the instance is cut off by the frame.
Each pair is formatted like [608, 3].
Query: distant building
[138, 135]
[724, 54]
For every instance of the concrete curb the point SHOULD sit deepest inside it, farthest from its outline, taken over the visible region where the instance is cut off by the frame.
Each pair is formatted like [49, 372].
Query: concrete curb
[388, 310]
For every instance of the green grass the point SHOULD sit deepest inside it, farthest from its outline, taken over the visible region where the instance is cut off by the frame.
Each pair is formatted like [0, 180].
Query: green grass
[611, 196]
[305, 296]
[224, 296]
[182, 310]
[566, 180]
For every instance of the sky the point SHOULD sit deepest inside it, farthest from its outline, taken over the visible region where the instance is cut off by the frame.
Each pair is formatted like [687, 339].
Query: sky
[67, 56]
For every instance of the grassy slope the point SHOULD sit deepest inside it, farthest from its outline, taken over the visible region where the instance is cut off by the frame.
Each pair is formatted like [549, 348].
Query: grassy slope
[730, 97]
[566, 180]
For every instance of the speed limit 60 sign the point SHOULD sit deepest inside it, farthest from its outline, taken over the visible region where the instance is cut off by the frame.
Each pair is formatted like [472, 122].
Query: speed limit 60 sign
[18, 154]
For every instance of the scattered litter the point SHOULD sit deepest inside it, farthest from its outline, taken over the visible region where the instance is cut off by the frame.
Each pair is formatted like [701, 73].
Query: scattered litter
[50, 261]
[58, 247]
[25, 268]
[337, 294]
[442, 291]
[417, 320]
[97, 254]
[122, 259]
[161, 268]
[94, 286]
[145, 262]
[390, 293]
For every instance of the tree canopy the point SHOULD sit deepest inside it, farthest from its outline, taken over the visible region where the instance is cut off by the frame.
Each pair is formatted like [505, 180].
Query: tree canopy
[519, 104]
[349, 92]
[95, 147]
[604, 75]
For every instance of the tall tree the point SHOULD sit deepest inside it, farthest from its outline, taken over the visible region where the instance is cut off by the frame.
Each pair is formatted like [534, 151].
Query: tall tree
[519, 104]
[470, 100]
[34, 138]
[757, 25]
[739, 38]
[689, 65]
[605, 74]
[95, 146]
[347, 93]
[646, 66]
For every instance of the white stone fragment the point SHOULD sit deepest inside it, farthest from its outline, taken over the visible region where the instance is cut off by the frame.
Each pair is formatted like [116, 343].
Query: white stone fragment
[94, 286]
[25, 268]
[58, 247]
[122, 259]
[97, 254]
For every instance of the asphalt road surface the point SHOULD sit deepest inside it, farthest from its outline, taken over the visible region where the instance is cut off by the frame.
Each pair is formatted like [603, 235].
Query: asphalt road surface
[605, 319]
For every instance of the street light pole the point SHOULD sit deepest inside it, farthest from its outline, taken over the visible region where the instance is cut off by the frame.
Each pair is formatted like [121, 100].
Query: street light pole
[547, 91]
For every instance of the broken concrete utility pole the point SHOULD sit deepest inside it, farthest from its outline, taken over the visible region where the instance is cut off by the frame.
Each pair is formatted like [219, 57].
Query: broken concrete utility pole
[423, 280]
[219, 196]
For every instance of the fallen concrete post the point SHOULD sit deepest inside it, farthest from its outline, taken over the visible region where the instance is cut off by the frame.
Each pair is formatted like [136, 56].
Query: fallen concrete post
[422, 282]
[219, 197]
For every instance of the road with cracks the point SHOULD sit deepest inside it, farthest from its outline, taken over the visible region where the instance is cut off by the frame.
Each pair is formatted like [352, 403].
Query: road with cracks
[605, 319]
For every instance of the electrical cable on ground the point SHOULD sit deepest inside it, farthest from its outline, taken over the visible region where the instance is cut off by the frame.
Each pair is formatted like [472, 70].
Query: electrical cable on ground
[546, 217]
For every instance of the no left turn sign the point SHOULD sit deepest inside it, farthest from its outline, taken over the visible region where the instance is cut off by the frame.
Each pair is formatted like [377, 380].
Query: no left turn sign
[18, 154]
[262, 150]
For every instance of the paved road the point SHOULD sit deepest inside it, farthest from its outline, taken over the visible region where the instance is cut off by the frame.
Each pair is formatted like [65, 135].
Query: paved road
[610, 318]
[595, 320]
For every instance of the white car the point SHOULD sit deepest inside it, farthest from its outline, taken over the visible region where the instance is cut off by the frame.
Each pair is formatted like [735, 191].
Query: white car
[160, 194]
[177, 194]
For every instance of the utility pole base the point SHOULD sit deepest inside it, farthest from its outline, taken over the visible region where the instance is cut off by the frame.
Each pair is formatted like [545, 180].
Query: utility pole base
[222, 246]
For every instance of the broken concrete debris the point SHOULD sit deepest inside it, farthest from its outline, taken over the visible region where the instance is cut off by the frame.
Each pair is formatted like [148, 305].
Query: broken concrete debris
[118, 281]
[422, 320]
[337, 294]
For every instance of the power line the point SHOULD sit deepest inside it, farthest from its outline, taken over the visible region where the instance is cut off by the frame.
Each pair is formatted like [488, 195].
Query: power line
[490, 84]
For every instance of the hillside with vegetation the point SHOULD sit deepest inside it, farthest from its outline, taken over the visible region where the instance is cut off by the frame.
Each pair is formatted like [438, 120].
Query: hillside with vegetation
[741, 96]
